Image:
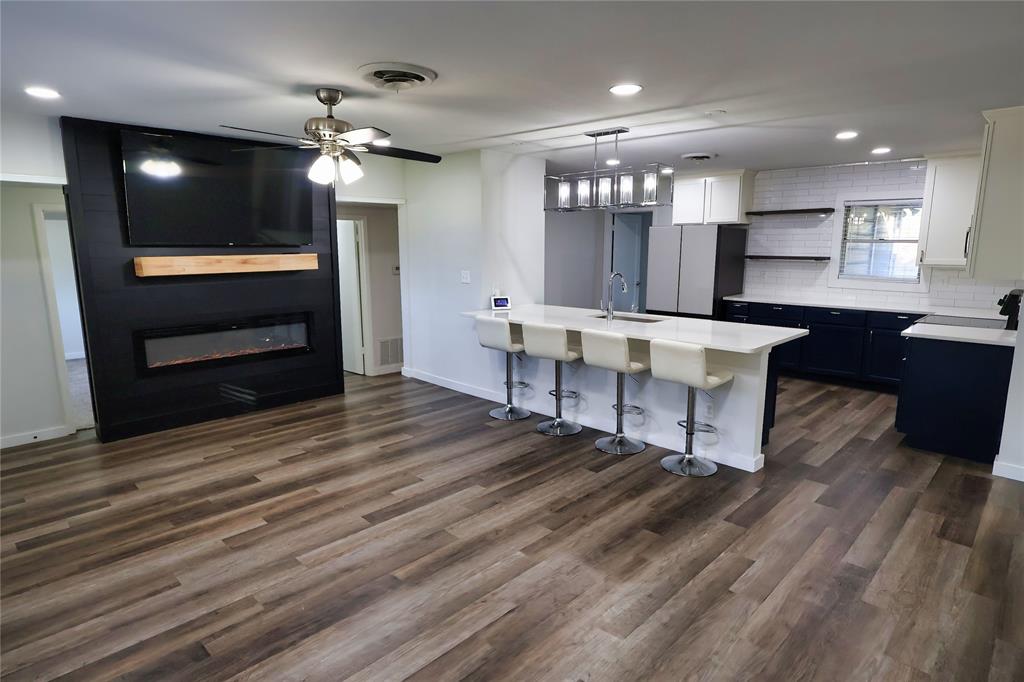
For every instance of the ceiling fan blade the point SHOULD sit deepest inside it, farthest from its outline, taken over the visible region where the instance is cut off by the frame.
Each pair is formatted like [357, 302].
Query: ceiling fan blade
[261, 132]
[361, 136]
[400, 153]
[278, 146]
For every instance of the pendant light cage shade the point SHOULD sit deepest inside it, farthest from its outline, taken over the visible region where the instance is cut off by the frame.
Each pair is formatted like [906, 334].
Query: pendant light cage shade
[605, 188]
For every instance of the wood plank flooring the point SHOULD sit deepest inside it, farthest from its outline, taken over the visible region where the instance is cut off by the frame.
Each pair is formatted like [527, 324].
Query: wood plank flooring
[398, 533]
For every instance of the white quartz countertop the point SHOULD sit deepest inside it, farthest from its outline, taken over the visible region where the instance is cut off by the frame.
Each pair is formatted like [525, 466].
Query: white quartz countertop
[919, 308]
[942, 332]
[731, 337]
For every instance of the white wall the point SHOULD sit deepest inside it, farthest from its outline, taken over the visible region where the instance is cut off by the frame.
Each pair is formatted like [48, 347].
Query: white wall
[1010, 460]
[30, 148]
[811, 235]
[31, 401]
[383, 182]
[574, 258]
[58, 244]
[480, 212]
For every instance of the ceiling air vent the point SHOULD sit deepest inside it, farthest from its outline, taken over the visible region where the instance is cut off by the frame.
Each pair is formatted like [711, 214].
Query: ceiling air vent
[397, 75]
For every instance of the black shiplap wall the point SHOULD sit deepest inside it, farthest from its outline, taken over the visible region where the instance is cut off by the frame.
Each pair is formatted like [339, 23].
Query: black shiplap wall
[116, 303]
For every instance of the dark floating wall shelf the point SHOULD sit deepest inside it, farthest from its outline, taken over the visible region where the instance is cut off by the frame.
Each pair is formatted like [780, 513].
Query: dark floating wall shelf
[751, 256]
[793, 211]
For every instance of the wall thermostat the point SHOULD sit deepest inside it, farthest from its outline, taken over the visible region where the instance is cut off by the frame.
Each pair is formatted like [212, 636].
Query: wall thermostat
[500, 303]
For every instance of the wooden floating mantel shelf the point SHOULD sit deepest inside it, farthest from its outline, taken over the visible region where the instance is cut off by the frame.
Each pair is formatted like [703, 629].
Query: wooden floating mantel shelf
[173, 266]
[794, 211]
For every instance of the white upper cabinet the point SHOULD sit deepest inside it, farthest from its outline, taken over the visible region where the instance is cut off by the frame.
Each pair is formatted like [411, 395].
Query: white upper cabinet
[950, 187]
[688, 201]
[996, 244]
[717, 199]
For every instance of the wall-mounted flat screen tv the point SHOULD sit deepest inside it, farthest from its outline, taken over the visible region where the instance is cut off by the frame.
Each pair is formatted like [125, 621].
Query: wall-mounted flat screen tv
[192, 190]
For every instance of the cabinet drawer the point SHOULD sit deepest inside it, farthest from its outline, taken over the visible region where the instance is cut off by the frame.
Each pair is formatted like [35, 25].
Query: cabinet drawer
[733, 317]
[843, 316]
[734, 308]
[777, 311]
[898, 321]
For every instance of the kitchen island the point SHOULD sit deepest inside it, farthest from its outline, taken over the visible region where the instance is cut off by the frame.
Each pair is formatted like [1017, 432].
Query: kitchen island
[737, 408]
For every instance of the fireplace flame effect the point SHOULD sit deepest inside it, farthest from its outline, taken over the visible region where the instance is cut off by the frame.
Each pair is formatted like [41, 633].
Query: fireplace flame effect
[254, 350]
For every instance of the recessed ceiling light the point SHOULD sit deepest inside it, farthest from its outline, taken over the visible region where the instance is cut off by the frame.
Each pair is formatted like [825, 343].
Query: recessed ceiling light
[881, 150]
[667, 171]
[625, 89]
[42, 92]
[383, 142]
[612, 162]
[846, 134]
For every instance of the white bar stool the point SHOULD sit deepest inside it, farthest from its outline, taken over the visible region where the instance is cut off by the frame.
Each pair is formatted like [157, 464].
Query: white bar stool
[614, 351]
[497, 333]
[554, 342]
[685, 363]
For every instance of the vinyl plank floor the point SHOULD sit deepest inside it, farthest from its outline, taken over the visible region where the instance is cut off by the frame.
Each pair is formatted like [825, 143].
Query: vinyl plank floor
[396, 532]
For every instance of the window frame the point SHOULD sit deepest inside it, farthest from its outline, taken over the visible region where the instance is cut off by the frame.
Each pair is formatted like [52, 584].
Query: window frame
[834, 280]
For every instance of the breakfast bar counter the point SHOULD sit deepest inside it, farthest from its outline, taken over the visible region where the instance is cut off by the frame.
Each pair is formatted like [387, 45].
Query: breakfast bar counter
[738, 408]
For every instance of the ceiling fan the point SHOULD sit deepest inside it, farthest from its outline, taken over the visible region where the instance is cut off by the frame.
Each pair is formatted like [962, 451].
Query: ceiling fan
[338, 141]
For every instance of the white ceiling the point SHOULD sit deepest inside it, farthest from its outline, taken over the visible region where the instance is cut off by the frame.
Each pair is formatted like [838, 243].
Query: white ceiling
[533, 76]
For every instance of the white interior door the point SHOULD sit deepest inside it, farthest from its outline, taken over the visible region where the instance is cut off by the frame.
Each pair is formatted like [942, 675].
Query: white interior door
[349, 280]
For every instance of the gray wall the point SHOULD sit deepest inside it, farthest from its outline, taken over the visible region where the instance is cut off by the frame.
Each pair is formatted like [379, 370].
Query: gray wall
[31, 404]
[574, 258]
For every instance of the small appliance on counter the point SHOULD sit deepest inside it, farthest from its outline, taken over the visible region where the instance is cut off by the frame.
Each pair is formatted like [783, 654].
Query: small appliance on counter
[1010, 306]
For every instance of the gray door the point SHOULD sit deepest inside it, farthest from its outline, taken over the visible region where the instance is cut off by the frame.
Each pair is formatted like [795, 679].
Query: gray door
[663, 268]
[627, 249]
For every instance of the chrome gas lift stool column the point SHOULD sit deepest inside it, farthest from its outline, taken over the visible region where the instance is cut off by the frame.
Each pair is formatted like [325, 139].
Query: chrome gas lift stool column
[684, 363]
[497, 333]
[553, 342]
[614, 351]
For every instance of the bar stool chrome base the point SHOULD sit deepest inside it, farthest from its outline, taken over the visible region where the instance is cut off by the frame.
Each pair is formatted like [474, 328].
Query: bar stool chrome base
[688, 465]
[559, 427]
[509, 413]
[619, 444]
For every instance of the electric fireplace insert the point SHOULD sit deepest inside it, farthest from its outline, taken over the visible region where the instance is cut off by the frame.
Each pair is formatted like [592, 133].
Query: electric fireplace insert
[207, 345]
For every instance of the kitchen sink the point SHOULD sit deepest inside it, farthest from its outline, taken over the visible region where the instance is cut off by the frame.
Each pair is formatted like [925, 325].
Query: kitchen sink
[629, 318]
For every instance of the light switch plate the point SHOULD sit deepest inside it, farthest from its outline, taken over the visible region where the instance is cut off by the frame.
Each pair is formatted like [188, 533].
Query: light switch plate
[465, 277]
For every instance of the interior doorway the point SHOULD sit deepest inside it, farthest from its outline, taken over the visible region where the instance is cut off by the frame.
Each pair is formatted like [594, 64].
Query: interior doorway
[53, 235]
[369, 277]
[629, 256]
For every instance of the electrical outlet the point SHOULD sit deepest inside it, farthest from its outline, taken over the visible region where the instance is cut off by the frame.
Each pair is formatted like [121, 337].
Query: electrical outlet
[466, 279]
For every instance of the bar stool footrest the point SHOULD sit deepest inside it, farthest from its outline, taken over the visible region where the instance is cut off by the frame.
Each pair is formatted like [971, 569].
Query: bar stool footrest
[566, 394]
[699, 427]
[628, 409]
[517, 384]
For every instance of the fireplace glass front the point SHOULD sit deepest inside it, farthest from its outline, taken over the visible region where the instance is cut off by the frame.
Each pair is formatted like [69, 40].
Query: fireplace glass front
[242, 340]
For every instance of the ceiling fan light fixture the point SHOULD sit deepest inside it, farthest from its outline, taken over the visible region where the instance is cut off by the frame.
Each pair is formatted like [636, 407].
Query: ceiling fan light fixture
[383, 142]
[349, 169]
[322, 171]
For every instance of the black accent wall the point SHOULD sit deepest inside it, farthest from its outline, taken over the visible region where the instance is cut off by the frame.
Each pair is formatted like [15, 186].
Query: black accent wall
[116, 304]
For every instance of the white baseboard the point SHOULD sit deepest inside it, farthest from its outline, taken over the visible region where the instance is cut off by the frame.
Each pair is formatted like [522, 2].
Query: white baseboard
[1008, 470]
[15, 439]
[383, 369]
[75, 356]
[479, 392]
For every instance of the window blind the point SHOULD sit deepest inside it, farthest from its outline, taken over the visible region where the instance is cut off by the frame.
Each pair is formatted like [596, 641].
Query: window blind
[880, 240]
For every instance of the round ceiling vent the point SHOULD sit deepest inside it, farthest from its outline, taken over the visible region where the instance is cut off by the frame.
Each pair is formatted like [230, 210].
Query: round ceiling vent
[397, 75]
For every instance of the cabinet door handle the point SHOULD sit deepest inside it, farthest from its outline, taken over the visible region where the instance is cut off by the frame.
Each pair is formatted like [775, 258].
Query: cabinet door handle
[920, 258]
[833, 312]
[902, 317]
[871, 334]
[967, 238]
[775, 307]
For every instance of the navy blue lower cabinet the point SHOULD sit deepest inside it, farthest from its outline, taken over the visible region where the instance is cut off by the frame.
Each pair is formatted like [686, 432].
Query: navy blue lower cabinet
[883, 356]
[788, 354]
[953, 397]
[833, 349]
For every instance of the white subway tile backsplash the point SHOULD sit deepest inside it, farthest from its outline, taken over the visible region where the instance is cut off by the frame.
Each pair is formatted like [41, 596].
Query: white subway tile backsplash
[811, 235]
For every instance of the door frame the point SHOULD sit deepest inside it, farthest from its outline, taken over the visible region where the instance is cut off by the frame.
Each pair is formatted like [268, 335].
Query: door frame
[39, 212]
[365, 300]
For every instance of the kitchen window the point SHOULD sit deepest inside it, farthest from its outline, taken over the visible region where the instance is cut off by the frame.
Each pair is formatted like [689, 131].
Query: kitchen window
[877, 245]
